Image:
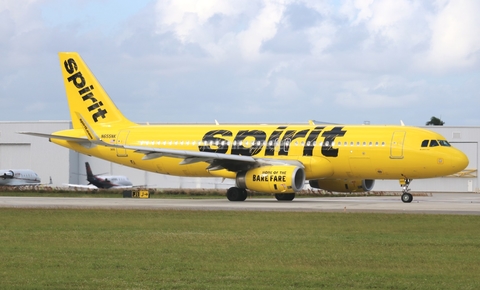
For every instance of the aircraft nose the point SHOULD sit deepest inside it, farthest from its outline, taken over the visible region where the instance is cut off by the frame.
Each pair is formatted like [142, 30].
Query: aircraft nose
[459, 160]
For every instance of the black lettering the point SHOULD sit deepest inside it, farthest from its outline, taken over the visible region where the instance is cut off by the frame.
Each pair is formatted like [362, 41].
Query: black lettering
[220, 143]
[94, 106]
[85, 90]
[329, 142]
[238, 147]
[90, 97]
[288, 139]
[77, 79]
[70, 65]
[273, 141]
[311, 139]
[99, 113]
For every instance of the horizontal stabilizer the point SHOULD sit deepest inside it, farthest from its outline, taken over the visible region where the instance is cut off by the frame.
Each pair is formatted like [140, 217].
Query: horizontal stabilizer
[59, 137]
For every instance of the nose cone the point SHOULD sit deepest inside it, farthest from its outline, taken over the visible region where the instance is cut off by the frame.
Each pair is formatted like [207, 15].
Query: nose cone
[459, 160]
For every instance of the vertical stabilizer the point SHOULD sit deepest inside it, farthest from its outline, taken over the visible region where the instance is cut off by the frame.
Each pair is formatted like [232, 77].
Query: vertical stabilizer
[86, 96]
[90, 176]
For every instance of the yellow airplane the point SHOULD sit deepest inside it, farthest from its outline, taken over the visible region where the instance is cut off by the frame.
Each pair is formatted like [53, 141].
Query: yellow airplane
[276, 159]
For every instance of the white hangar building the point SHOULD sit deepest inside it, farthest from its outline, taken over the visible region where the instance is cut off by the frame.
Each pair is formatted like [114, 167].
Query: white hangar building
[63, 166]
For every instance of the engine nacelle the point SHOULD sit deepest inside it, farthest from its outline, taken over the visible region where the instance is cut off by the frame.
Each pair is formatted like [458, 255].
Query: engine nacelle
[9, 174]
[272, 179]
[343, 185]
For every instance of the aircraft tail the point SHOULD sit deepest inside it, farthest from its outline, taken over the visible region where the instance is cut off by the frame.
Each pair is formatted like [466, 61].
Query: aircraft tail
[90, 176]
[86, 97]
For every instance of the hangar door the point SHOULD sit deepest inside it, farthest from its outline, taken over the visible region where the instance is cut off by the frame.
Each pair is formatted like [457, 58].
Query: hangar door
[15, 156]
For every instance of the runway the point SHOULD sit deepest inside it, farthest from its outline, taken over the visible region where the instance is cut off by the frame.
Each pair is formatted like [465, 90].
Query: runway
[437, 203]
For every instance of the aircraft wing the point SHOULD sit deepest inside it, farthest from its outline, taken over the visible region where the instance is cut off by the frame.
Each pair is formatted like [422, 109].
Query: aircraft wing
[217, 161]
[90, 186]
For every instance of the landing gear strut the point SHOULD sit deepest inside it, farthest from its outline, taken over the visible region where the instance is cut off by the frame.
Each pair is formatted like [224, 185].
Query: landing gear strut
[236, 194]
[407, 197]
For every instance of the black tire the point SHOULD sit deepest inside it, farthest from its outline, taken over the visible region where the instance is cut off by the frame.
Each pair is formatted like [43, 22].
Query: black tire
[407, 197]
[236, 194]
[243, 196]
[285, 197]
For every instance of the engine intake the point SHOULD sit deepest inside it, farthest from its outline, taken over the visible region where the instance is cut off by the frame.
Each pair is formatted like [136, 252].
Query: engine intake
[272, 179]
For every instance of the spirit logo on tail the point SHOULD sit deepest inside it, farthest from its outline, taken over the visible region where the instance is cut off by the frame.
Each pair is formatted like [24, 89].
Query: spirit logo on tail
[85, 91]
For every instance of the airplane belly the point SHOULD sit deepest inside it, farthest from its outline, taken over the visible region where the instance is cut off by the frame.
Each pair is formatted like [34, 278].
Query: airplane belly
[361, 167]
[171, 166]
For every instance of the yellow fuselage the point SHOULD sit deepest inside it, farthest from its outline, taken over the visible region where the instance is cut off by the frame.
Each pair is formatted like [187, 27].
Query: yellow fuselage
[330, 151]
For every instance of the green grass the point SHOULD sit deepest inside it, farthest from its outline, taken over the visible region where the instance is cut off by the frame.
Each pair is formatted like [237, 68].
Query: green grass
[167, 249]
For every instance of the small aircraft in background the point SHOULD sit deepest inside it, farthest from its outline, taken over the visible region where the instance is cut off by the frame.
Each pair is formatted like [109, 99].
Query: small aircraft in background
[18, 177]
[103, 181]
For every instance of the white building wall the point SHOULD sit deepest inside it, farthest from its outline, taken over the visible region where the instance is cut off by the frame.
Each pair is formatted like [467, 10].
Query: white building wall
[18, 151]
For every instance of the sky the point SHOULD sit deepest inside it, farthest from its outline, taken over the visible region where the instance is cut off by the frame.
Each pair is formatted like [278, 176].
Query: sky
[250, 61]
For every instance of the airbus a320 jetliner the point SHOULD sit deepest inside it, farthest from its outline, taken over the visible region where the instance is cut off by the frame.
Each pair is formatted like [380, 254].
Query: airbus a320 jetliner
[275, 159]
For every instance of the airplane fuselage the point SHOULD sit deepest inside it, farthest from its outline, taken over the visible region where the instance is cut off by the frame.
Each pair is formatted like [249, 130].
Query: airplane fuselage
[18, 177]
[369, 152]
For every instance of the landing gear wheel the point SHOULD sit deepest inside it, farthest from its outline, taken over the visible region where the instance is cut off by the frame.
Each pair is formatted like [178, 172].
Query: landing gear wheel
[236, 194]
[407, 197]
[285, 197]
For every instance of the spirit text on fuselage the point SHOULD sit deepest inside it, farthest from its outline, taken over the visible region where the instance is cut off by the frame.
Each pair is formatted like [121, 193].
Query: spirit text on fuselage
[278, 143]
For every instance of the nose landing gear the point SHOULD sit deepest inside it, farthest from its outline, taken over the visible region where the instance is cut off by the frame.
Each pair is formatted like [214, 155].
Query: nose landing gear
[407, 197]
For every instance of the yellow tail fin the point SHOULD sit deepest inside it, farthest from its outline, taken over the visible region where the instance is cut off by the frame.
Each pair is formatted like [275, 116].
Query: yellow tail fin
[86, 96]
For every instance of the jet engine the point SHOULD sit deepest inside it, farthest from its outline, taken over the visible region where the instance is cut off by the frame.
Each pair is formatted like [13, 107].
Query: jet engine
[272, 179]
[343, 185]
[8, 174]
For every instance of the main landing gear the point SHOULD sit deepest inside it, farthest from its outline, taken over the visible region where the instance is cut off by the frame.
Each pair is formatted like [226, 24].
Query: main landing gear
[285, 197]
[240, 194]
[407, 197]
[236, 194]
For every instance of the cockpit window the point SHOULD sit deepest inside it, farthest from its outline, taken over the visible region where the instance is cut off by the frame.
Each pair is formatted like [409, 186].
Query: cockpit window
[444, 143]
[435, 143]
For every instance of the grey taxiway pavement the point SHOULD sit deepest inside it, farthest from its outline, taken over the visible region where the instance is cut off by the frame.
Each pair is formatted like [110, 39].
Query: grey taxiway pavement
[440, 203]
